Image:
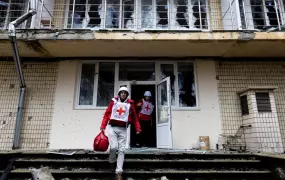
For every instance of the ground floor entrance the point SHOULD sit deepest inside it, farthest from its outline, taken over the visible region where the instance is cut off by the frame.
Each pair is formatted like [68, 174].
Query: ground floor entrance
[148, 136]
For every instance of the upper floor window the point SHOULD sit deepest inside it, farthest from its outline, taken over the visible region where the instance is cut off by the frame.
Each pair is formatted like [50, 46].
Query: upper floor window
[10, 10]
[138, 14]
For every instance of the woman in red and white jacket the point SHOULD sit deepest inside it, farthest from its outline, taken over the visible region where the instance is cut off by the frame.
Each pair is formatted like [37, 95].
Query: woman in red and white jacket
[145, 112]
[119, 114]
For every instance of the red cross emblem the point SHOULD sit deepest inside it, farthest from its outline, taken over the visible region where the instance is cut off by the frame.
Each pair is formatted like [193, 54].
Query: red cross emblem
[121, 111]
[147, 108]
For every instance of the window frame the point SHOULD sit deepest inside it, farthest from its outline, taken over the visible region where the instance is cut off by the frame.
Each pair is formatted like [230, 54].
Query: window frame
[157, 64]
[137, 17]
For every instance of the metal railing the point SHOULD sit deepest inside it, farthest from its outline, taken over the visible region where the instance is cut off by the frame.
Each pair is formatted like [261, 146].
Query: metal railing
[141, 15]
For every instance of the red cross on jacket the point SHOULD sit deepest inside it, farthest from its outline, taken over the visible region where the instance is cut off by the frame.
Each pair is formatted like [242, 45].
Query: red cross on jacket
[133, 118]
[143, 117]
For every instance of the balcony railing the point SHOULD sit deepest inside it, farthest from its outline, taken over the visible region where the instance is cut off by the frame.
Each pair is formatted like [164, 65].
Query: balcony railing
[142, 15]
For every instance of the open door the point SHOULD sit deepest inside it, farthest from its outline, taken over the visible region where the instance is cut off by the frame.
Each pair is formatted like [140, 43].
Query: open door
[128, 85]
[163, 104]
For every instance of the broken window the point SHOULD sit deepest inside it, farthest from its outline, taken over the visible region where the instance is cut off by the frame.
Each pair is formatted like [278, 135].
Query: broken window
[265, 14]
[199, 8]
[186, 85]
[11, 10]
[167, 70]
[180, 10]
[106, 79]
[85, 14]
[162, 11]
[87, 84]
[128, 14]
[147, 14]
[139, 71]
[112, 14]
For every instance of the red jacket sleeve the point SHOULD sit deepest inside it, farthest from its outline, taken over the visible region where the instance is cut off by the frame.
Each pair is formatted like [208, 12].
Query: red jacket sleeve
[107, 115]
[135, 119]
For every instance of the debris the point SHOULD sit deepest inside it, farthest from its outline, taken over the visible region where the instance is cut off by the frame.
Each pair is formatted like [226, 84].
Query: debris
[69, 153]
[164, 178]
[42, 174]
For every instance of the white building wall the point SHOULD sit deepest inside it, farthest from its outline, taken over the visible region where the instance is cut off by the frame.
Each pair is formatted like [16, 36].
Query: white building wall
[77, 128]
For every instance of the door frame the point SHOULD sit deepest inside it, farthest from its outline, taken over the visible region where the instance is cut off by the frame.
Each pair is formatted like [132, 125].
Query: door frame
[129, 85]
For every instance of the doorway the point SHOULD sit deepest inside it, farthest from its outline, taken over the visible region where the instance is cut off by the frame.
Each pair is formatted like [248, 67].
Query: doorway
[137, 92]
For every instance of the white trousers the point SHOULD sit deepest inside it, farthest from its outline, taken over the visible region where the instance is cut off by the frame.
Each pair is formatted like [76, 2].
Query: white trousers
[117, 139]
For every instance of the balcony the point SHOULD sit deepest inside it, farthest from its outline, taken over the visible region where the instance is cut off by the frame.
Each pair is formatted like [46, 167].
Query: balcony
[147, 28]
[150, 15]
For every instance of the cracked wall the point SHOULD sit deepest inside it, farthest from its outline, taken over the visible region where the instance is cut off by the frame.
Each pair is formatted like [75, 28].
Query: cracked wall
[41, 81]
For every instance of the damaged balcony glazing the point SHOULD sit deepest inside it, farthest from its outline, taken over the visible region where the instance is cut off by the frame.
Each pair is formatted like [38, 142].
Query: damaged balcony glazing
[142, 15]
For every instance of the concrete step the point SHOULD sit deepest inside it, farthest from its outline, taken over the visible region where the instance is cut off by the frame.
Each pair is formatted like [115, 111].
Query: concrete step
[141, 163]
[142, 174]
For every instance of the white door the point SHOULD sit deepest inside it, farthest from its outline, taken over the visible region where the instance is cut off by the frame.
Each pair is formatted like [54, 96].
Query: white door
[163, 114]
[128, 85]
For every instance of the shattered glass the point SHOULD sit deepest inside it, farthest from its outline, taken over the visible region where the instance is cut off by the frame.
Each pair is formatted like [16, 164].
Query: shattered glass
[162, 11]
[167, 70]
[147, 14]
[180, 10]
[128, 14]
[186, 85]
[87, 84]
[106, 78]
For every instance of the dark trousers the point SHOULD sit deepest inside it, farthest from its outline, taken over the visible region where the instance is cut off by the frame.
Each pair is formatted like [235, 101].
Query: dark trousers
[145, 135]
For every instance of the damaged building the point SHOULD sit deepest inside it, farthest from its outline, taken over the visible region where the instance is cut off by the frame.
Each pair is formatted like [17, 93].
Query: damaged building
[215, 68]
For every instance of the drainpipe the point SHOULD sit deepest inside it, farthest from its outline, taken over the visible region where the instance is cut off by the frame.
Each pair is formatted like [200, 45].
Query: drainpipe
[12, 36]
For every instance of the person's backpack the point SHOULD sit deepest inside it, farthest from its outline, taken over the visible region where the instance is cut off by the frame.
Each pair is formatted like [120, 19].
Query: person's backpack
[101, 142]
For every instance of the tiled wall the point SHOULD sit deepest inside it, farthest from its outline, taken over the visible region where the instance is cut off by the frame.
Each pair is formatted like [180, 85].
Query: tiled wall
[235, 76]
[59, 13]
[41, 81]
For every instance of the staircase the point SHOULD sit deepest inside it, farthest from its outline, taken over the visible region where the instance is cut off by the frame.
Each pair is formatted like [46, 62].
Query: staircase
[142, 166]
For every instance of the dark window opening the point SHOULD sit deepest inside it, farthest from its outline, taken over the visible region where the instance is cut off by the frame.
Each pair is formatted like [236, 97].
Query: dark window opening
[200, 15]
[186, 85]
[263, 102]
[272, 15]
[181, 11]
[106, 80]
[94, 13]
[257, 14]
[143, 71]
[162, 10]
[87, 84]
[244, 105]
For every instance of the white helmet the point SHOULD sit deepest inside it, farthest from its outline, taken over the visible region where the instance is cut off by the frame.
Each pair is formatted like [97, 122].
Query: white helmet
[123, 89]
[147, 94]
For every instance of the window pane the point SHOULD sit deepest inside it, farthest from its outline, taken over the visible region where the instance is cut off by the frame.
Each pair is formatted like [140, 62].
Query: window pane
[87, 84]
[186, 85]
[181, 15]
[167, 70]
[128, 15]
[87, 14]
[137, 71]
[105, 83]
[3, 12]
[112, 14]
[162, 14]
[147, 12]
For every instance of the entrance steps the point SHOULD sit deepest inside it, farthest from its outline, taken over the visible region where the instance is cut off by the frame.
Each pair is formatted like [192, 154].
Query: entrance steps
[141, 165]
